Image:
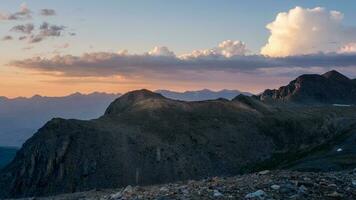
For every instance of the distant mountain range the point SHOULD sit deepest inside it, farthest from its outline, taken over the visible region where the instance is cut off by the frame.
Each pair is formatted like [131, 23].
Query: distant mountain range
[21, 117]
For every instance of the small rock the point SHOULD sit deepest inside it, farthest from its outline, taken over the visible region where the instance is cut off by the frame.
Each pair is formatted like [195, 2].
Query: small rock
[275, 187]
[257, 194]
[335, 195]
[164, 189]
[339, 150]
[354, 183]
[116, 196]
[294, 196]
[264, 172]
[185, 192]
[128, 189]
[302, 189]
[306, 179]
[287, 188]
[217, 193]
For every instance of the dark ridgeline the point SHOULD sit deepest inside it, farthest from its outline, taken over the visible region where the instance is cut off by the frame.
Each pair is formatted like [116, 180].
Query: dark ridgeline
[201, 95]
[144, 138]
[329, 88]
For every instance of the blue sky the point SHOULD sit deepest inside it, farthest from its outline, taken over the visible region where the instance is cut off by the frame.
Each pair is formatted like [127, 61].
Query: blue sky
[182, 26]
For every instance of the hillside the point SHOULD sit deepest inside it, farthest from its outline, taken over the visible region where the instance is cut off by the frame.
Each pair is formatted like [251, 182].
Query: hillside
[144, 138]
[329, 88]
[21, 117]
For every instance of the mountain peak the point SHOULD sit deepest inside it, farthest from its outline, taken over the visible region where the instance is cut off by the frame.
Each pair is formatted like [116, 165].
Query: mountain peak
[329, 88]
[142, 94]
[335, 75]
[130, 98]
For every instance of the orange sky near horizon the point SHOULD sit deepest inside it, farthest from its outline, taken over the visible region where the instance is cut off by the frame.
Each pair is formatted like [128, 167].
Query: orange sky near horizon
[17, 82]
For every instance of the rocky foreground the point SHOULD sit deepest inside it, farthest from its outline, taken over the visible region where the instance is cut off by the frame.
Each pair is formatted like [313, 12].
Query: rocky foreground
[262, 185]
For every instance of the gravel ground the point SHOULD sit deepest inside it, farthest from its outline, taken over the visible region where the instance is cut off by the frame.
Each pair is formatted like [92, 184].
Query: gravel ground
[261, 185]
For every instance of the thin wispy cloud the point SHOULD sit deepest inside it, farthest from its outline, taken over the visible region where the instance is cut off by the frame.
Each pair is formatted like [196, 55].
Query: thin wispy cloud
[30, 32]
[46, 30]
[25, 28]
[47, 12]
[7, 38]
[23, 14]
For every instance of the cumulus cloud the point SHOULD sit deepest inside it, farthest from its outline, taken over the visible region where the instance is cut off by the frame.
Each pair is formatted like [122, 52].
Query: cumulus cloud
[7, 37]
[348, 48]
[22, 14]
[47, 12]
[227, 49]
[230, 48]
[25, 29]
[161, 51]
[307, 31]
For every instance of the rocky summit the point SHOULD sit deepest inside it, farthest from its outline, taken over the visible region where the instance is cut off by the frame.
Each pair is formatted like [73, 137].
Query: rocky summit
[144, 138]
[329, 88]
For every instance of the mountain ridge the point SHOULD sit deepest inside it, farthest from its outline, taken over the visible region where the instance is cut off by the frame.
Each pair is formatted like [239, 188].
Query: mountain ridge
[200, 95]
[32, 112]
[144, 138]
[329, 88]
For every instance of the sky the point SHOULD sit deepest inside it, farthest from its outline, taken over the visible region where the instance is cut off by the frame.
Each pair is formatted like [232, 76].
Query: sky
[55, 48]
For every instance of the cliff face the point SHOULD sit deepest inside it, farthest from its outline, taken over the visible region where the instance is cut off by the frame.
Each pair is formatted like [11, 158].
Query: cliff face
[329, 88]
[144, 138]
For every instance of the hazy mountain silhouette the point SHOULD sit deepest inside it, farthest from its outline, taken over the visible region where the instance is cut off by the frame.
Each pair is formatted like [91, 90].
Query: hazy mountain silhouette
[21, 117]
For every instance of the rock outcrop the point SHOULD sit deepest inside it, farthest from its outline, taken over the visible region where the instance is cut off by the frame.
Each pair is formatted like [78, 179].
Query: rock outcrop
[329, 88]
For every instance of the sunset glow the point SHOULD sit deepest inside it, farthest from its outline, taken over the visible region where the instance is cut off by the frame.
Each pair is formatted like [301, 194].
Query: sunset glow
[54, 49]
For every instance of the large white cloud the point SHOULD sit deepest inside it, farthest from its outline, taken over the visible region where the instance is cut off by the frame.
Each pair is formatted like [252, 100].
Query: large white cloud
[306, 31]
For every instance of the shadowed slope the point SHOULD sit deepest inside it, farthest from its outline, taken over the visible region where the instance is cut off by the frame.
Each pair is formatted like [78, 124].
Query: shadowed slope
[144, 138]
